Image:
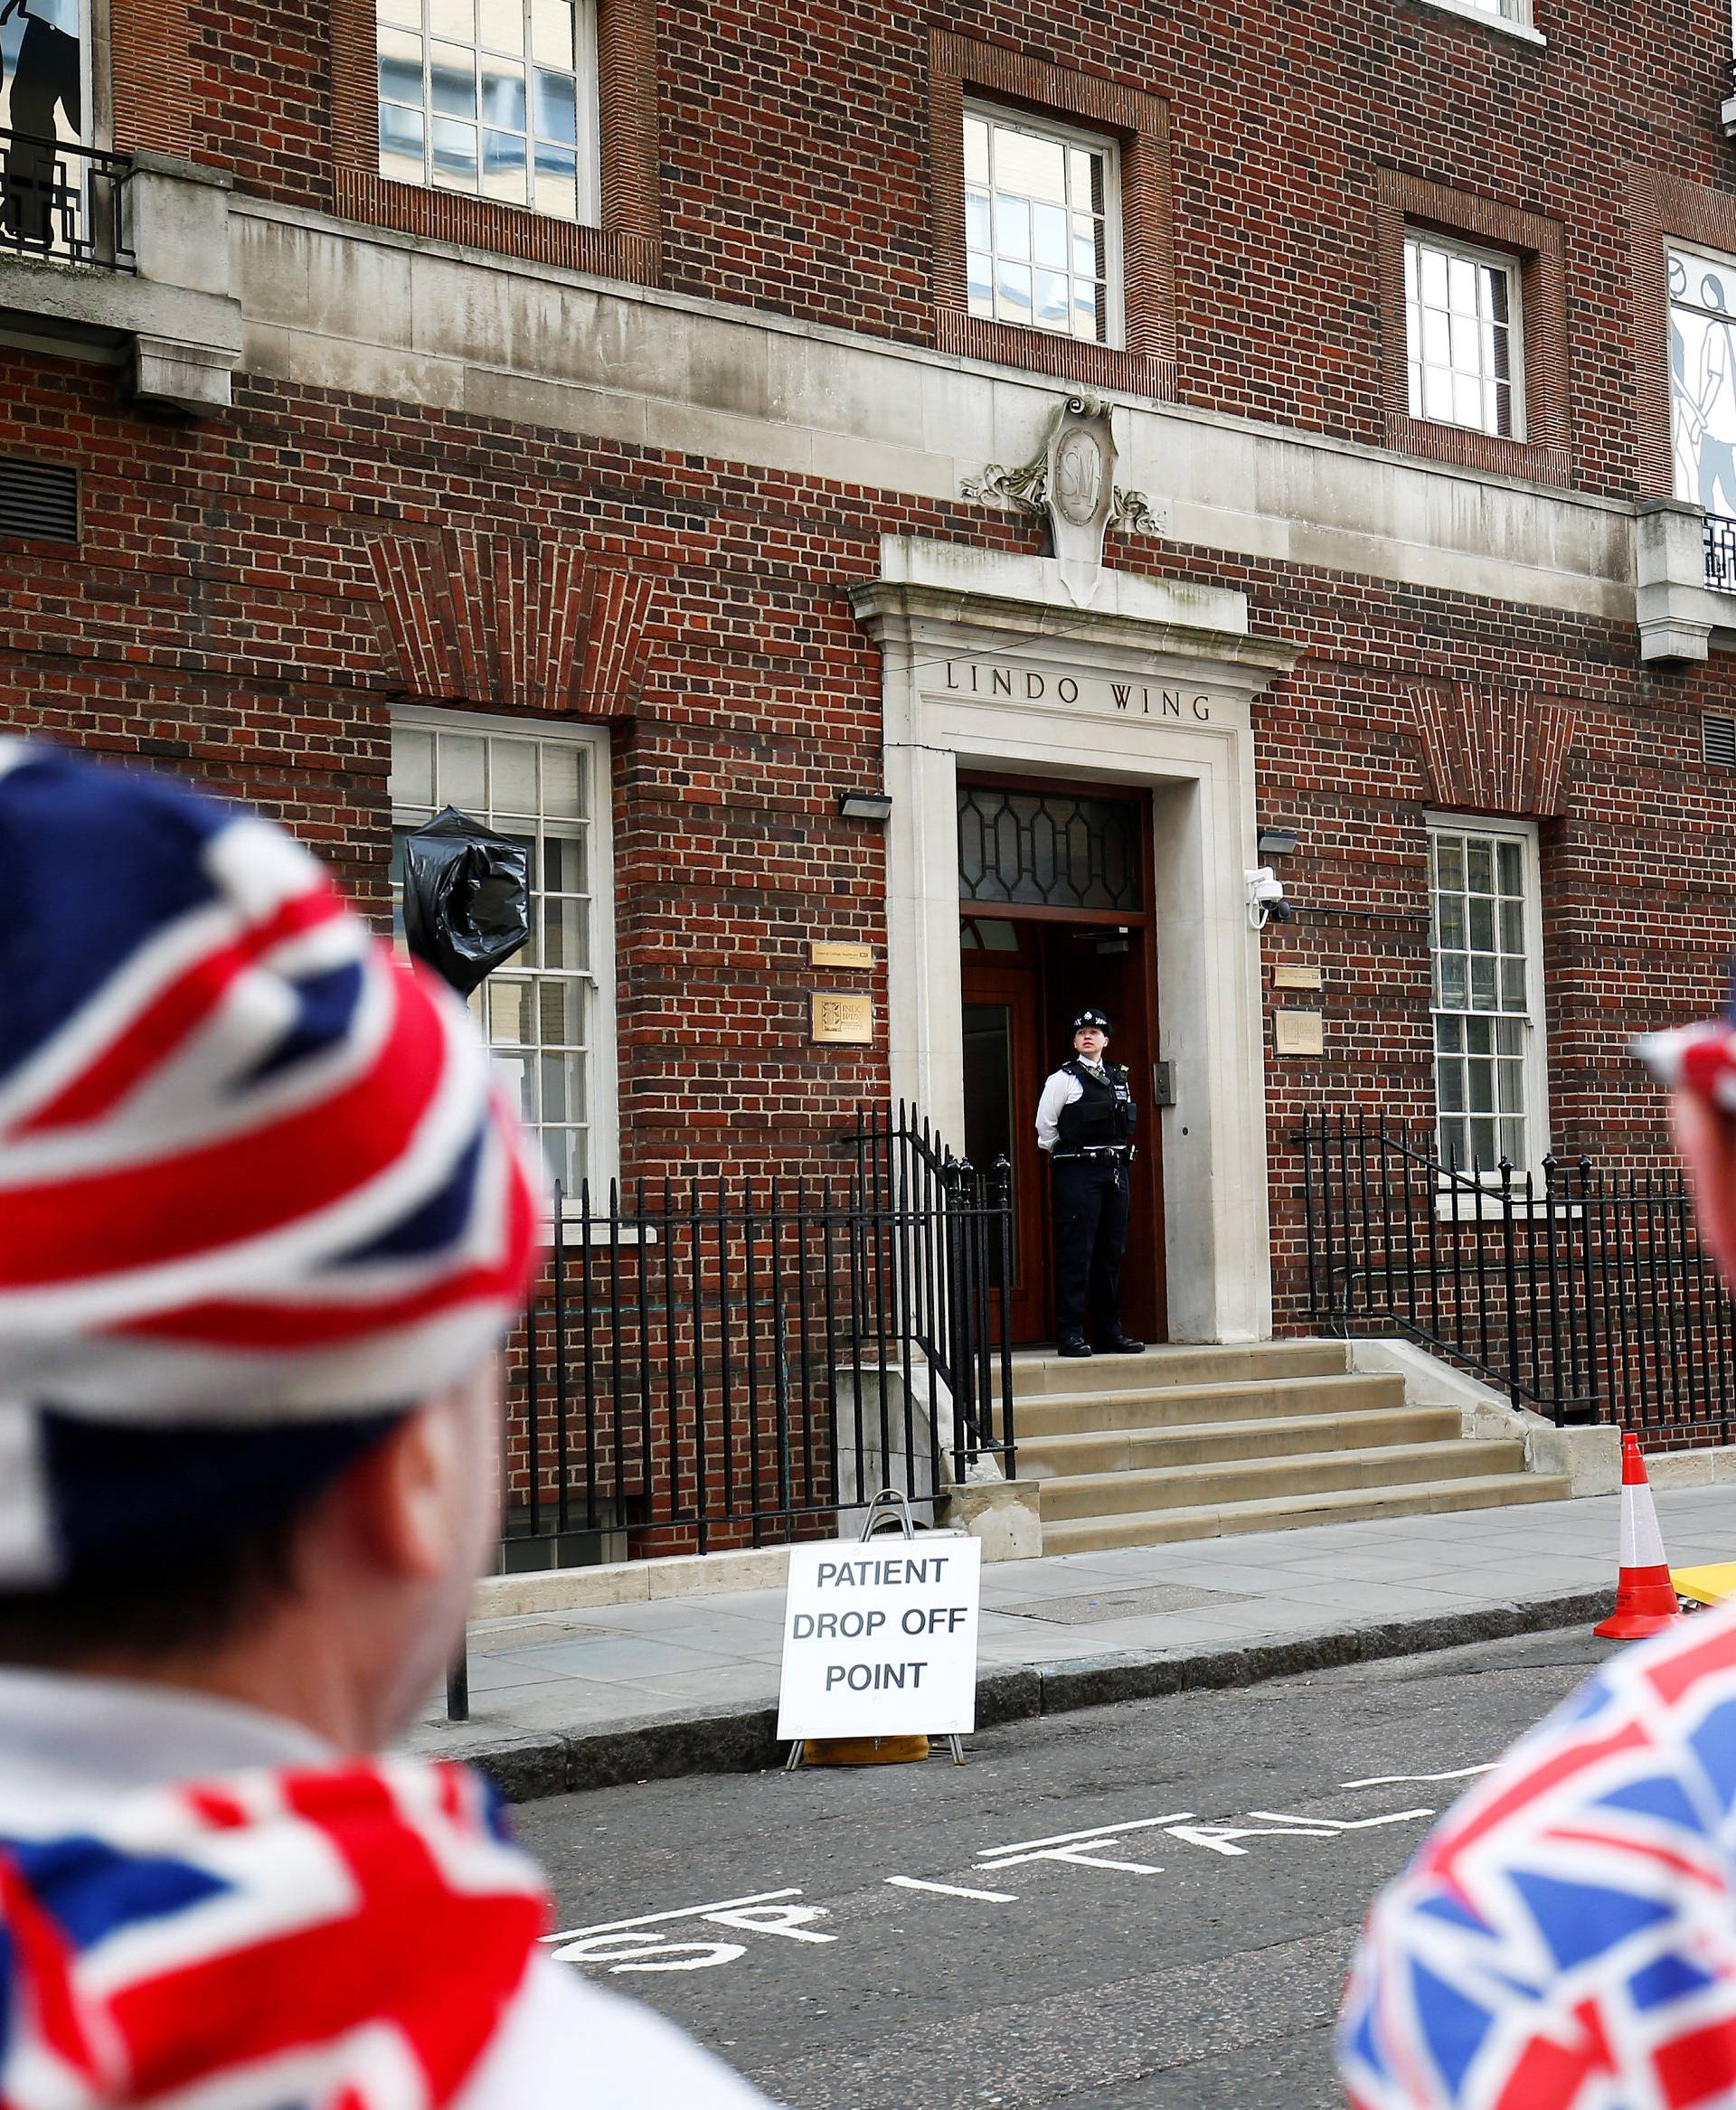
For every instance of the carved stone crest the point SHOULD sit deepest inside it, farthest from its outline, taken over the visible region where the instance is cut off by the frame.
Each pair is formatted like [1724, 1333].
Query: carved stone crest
[1071, 483]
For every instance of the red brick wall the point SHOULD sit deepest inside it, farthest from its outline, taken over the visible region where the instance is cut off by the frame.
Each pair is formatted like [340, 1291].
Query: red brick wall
[224, 617]
[792, 164]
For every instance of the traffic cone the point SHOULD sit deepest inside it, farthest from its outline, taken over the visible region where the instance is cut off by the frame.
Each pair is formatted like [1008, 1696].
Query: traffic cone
[1644, 1594]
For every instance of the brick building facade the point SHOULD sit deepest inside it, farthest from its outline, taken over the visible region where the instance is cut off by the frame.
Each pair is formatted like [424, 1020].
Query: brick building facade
[603, 439]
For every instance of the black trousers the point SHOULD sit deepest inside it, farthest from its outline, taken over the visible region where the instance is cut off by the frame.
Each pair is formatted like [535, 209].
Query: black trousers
[1090, 1236]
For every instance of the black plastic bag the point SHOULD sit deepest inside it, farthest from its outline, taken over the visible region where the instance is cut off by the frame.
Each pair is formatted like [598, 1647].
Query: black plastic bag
[466, 897]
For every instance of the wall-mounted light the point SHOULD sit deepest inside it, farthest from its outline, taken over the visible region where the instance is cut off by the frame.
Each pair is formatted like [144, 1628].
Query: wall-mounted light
[865, 805]
[1276, 842]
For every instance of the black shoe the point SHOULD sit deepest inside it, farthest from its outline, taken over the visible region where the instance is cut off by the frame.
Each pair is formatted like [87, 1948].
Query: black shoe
[1120, 1343]
[1073, 1344]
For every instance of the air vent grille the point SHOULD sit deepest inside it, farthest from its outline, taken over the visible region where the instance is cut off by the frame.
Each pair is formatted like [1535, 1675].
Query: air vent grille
[1718, 742]
[39, 501]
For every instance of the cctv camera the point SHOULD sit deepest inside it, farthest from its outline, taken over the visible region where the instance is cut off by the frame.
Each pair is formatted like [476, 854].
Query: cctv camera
[1265, 902]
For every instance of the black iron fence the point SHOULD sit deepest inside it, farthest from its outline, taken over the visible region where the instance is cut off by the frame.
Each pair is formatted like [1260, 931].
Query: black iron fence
[64, 202]
[725, 1362]
[1720, 553]
[1584, 1294]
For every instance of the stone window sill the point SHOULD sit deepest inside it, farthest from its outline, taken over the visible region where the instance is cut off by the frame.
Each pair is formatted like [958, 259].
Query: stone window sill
[1505, 23]
[576, 1231]
[1470, 1209]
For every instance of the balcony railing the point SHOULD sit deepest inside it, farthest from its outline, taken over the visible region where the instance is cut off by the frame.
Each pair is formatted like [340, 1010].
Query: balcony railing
[1583, 1293]
[734, 1361]
[1720, 553]
[64, 203]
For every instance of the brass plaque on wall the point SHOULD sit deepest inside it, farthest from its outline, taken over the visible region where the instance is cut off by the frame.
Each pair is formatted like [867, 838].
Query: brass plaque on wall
[837, 952]
[840, 1016]
[1299, 1032]
[1295, 977]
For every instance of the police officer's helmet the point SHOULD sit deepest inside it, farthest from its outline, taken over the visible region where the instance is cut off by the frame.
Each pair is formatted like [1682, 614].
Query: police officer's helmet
[1091, 1018]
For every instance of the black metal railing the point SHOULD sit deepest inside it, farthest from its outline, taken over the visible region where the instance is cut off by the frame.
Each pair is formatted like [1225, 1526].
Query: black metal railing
[725, 1362]
[64, 202]
[1582, 1292]
[1720, 552]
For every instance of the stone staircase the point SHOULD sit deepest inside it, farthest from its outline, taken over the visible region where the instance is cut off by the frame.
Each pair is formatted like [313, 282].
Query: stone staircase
[1199, 1442]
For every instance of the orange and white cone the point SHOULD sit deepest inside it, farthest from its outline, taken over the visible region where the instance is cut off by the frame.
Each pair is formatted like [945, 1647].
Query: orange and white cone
[1644, 1594]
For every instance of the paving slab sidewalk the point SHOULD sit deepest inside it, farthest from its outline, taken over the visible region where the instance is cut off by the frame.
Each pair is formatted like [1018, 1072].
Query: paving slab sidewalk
[584, 1699]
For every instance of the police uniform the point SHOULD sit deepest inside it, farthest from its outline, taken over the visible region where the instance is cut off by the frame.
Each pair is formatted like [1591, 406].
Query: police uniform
[1085, 1121]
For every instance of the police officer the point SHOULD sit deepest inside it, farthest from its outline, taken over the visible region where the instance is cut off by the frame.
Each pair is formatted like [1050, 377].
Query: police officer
[1085, 1121]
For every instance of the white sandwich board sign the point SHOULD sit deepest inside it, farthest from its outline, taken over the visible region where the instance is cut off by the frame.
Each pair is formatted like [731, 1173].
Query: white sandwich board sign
[880, 1638]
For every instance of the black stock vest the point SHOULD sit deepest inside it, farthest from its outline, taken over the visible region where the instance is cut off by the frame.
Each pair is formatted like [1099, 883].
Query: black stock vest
[1104, 1113]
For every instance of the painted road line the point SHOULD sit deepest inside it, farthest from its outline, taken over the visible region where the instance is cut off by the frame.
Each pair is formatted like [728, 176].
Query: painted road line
[1075, 1856]
[1220, 1838]
[1097, 1831]
[1343, 1823]
[1418, 1779]
[953, 1890]
[685, 1912]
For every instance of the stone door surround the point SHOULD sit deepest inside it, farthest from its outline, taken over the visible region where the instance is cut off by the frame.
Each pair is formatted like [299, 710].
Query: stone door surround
[988, 661]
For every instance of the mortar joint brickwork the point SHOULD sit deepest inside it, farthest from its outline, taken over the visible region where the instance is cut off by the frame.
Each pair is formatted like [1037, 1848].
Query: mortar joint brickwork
[1490, 748]
[513, 622]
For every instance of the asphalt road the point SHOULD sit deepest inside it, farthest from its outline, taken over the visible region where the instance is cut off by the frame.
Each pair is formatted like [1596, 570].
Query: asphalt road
[1198, 1970]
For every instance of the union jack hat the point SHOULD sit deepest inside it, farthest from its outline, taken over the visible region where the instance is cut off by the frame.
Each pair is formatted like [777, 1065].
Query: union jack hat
[1699, 1058]
[260, 1191]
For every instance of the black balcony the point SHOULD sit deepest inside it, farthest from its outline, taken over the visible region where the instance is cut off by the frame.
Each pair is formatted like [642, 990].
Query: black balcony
[1720, 553]
[65, 205]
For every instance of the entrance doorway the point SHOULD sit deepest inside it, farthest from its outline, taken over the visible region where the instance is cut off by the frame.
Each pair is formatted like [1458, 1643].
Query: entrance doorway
[1053, 891]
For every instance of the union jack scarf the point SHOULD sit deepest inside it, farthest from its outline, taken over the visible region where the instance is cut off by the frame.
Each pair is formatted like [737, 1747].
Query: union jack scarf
[351, 1937]
[1566, 1939]
[257, 1188]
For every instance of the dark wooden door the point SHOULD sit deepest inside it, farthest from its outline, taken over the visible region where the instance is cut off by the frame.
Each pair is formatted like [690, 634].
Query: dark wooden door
[1111, 970]
[1003, 1078]
[1024, 981]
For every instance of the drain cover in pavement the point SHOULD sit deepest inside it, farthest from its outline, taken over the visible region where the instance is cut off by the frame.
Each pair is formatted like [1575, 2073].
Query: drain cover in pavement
[1090, 1610]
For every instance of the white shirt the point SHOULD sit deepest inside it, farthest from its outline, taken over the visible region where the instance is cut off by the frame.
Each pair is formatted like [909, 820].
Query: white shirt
[1061, 1089]
[65, 1740]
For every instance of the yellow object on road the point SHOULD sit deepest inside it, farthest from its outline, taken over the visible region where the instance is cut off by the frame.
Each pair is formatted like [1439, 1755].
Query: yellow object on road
[1709, 1585]
[864, 1750]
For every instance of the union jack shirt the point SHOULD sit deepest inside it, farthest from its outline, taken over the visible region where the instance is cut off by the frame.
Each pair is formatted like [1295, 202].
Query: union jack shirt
[203, 1908]
[1566, 1938]
[350, 1935]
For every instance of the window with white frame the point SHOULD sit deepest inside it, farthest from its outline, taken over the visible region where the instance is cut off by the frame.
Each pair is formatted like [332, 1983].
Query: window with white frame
[1486, 943]
[1042, 225]
[1501, 10]
[1463, 335]
[1703, 379]
[547, 1013]
[493, 97]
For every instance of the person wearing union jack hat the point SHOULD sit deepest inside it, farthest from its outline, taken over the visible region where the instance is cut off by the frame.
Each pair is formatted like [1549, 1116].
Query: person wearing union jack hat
[264, 1218]
[1566, 1939]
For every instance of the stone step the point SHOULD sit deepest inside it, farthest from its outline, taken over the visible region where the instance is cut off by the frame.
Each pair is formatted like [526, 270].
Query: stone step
[1085, 1413]
[1099, 1534]
[1132, 1450]
[1210, 1486]
[1037, 1371]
